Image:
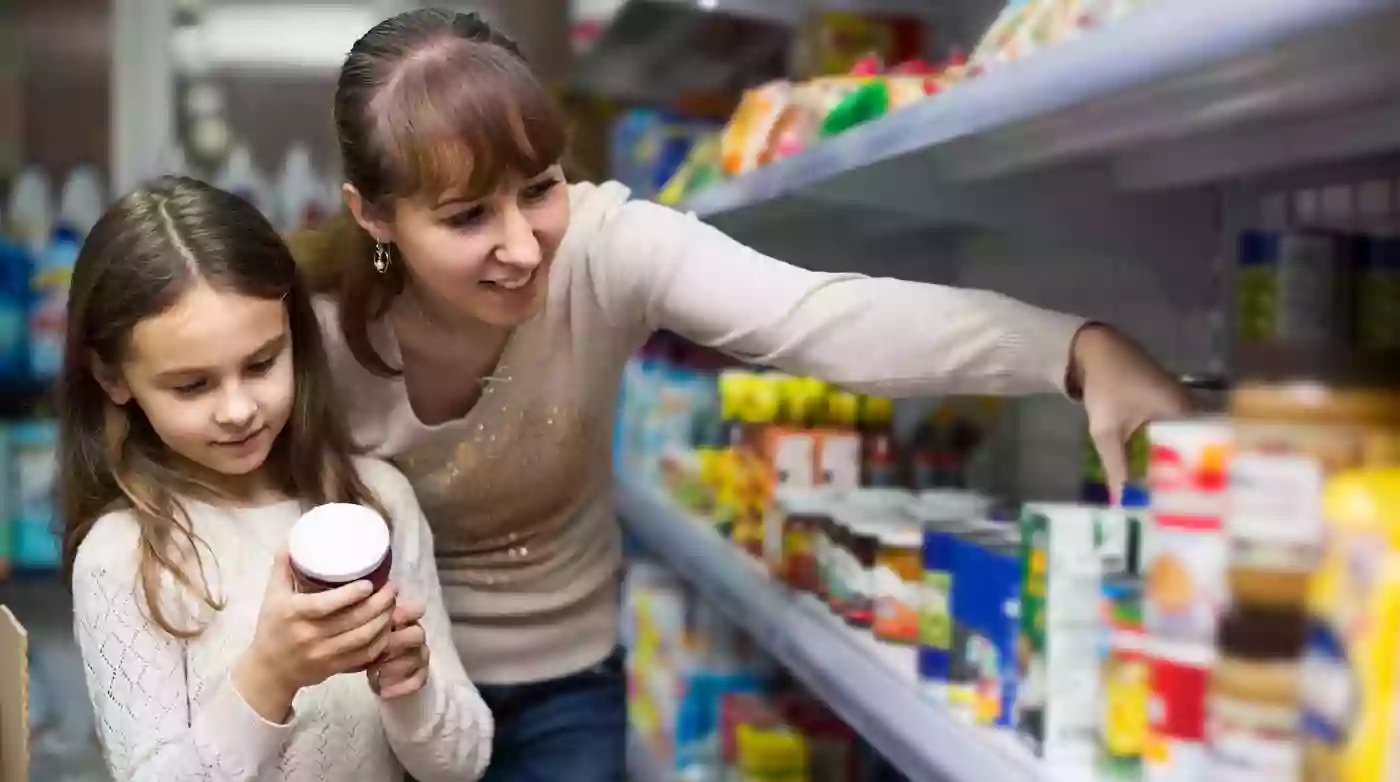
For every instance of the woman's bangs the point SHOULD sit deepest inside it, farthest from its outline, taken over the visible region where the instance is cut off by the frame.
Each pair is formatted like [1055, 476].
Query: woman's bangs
[468, 138]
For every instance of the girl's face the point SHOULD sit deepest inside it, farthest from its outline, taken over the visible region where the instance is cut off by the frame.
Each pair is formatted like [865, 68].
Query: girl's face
[213, 375]
[489, 258]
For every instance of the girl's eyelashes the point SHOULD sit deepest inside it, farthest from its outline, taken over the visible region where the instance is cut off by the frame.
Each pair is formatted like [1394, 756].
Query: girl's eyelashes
[261, 366]
[191, 388]
[256, 368]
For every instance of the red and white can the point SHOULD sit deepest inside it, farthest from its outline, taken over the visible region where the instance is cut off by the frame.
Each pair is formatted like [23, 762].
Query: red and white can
[1185, 590]
[1175, 750]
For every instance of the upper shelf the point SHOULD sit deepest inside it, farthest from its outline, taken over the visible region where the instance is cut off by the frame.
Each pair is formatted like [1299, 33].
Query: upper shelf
[655, 50]
[1181, 93]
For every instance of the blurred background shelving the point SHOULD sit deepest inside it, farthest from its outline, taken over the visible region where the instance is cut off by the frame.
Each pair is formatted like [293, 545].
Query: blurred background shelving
[1114, 158]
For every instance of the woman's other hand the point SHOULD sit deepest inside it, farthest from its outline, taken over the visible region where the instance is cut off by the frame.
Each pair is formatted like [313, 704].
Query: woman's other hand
[1122, 389]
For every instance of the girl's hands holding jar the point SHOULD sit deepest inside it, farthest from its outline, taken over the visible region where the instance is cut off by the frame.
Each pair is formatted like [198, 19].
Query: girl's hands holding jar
[404, 668]
[303, 639]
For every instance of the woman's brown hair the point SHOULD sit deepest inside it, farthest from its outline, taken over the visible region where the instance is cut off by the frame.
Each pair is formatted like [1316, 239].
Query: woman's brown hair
[149, 248]
[427, 101]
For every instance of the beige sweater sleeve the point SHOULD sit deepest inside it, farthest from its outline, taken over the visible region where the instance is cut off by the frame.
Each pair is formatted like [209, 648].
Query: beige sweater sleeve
[442, 732]
[655, 268]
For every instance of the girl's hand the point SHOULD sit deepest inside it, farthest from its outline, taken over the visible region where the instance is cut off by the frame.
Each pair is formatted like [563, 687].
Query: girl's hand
[404, 668]
[303, 639]
[1123, 388]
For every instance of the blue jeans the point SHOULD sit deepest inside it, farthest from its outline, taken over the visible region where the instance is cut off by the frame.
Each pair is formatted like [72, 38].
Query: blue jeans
[574, 728]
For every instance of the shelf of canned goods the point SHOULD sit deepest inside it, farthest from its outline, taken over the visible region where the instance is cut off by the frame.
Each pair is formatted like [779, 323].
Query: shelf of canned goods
[869, 685]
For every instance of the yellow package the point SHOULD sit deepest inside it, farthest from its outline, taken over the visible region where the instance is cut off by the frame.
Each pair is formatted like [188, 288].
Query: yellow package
[1349, 688]
[726, 471]
[770, 754]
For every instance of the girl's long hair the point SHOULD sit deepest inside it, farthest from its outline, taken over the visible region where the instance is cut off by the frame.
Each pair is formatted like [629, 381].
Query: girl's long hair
[147, 250]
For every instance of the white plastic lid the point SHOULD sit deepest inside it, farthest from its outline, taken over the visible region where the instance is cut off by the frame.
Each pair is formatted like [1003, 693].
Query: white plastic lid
[806, 501]
[338, 542]
[877, 498]
[945, 506]
[898, 533]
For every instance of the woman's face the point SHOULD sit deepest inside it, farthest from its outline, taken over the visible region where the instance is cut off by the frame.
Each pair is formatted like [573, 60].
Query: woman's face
[487, 258]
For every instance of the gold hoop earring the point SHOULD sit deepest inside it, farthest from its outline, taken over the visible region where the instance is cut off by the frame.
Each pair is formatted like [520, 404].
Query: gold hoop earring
[381, 257]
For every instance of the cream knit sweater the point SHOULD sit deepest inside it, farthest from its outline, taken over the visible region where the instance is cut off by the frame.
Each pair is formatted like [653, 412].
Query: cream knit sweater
[166, 710]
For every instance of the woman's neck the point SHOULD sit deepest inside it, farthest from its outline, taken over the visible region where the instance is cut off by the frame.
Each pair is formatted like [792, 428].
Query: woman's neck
[425, 310]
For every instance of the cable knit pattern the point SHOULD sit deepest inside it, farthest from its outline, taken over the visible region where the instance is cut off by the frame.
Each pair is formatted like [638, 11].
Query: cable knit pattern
[166, 709]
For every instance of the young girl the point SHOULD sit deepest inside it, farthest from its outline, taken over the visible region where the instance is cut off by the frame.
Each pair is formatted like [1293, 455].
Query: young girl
[197, 427]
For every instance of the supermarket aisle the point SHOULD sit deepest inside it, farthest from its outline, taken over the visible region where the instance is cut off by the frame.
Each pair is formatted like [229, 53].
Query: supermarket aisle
[63, 744]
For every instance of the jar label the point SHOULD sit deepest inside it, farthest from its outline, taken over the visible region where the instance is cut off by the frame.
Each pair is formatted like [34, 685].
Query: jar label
[1252, 741]
[1275, 499]
[1184, 588]
[896, 606]
[1244, 757]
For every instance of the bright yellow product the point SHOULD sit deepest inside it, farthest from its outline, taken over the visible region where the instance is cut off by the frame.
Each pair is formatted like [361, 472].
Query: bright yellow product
[777, 754]
[735, 387]
[764, 401]
[843, 407]
[1350, 687]
[700, 169]
[1126, 693]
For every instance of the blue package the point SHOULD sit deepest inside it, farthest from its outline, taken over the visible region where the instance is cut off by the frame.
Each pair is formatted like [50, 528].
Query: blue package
[33, 446]
[999, 617]
[16, 266]
[935, 609]
[49, 302]
[966, 590]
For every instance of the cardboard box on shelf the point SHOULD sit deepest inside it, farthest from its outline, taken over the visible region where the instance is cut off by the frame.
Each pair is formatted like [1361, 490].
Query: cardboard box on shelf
[14, 709]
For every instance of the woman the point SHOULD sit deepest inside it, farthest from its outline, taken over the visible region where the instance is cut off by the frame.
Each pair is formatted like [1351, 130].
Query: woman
[479, 312]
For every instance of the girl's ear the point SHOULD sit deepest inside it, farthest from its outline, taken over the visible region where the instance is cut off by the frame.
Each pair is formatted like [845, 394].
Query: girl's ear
[364, 215]
[110, 378]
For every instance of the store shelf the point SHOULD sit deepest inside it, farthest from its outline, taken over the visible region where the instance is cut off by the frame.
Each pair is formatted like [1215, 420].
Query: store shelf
[870, 686]
[1182, 92]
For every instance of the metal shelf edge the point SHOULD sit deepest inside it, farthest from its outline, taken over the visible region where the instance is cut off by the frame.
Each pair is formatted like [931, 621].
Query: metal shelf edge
[1161, 42]
[918, 737]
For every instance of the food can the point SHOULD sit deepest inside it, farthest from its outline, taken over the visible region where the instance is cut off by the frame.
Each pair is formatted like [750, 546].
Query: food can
[1289, 437]
[973, 580]
[897, 582]
[1175, 749]
[1294, 289]
[1126, 689]
[1184, 575]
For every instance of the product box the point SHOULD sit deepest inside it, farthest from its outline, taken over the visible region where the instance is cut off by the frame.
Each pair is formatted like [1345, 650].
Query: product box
[33, 445]
[14, 698]
[1064, 550]
[981, 660]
